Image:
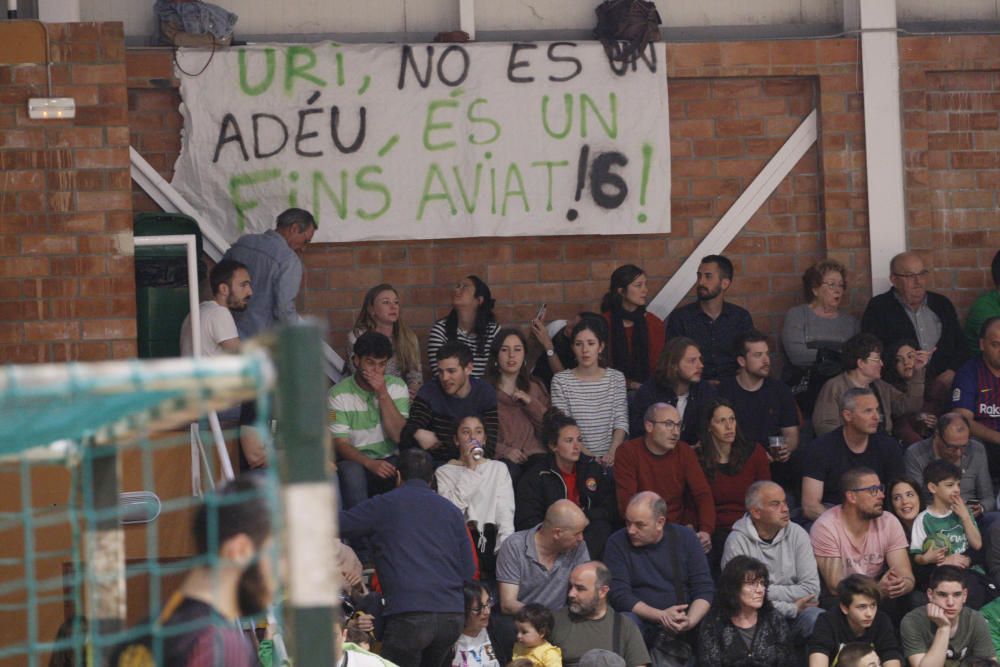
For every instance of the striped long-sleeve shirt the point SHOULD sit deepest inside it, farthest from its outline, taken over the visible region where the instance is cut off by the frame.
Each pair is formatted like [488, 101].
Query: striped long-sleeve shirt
[598, 406]
[437, 337]
[435, 411]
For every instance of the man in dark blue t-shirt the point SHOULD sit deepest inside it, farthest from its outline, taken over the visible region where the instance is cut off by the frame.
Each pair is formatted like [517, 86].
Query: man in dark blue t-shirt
[764, 407]
[711, 321]
[858, 443]
[423, 555]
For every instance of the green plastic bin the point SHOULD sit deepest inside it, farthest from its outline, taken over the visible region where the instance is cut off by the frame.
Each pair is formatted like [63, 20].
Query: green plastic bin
[161, 283]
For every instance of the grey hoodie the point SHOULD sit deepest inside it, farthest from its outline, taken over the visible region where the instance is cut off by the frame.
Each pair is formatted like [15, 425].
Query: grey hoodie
[789, 559]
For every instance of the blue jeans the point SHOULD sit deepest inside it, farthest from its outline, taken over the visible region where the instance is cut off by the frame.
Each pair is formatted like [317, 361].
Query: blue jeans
[357, 484]
[802, 626]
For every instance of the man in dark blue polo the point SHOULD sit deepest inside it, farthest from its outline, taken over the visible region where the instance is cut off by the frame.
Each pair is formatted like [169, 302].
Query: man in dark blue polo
[710, 321]
[423, 554]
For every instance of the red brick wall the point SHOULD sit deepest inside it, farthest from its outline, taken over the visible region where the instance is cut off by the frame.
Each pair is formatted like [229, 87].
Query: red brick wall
[731, 107]
[952, 157]
[66, 274]
[963, 162]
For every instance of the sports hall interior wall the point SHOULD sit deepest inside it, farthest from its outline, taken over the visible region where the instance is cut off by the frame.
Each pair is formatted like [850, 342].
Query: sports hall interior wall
[732, 105]
[66, 273]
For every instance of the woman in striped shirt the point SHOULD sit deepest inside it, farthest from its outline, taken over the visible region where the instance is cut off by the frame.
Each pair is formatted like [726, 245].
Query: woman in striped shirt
[593, 395]
[471, 321]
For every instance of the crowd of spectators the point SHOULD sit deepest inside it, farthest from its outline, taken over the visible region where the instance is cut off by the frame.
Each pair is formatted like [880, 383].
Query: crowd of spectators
[648, 489]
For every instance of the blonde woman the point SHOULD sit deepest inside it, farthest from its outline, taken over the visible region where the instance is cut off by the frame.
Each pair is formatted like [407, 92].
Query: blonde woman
[380, 312]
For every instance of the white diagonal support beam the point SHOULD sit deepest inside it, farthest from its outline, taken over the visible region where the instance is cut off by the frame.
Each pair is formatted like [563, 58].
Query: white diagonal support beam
[172, 201]
[883, 137]
[770, 177]
[467, 17]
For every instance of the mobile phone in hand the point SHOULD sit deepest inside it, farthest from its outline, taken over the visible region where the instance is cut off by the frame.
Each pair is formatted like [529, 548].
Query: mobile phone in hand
[541, 312]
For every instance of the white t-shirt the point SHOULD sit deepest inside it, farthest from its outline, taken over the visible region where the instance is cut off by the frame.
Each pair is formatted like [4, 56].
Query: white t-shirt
[682, 403]
[474, 651]
[217, 325]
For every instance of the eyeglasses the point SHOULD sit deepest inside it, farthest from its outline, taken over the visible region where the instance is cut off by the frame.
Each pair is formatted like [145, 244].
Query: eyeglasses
[478, 609]
[911, 276]
[955, 448]
[671, 425]
[872, 490]
[833, 285]
[874, 360]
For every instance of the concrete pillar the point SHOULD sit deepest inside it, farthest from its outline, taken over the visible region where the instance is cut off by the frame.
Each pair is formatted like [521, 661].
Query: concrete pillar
[883, 137]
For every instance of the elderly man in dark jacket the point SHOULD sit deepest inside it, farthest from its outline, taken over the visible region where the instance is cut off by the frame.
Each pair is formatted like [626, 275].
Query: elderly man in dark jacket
[909, 311]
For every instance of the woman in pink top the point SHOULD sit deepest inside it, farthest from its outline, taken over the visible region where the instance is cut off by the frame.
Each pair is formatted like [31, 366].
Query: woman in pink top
[731, 464]
[521, 403]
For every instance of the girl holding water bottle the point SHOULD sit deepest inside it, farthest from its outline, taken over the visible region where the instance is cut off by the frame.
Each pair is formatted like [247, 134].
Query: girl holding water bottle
[481, 488]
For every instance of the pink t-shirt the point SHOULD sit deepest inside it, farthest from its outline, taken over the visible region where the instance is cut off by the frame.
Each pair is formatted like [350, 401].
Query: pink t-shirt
[830, 540]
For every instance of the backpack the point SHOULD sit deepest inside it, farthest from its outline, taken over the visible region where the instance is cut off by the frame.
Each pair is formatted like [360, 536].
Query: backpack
[635, 22]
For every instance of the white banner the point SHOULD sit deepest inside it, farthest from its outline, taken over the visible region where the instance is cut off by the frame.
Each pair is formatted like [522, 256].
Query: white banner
[427, 141]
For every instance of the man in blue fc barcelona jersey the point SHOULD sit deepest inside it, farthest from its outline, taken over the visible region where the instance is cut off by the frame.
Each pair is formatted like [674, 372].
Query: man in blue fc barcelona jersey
[976, 392]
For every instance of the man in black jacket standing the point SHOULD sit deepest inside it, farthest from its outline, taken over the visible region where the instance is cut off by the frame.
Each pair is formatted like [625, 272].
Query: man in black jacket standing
[910, 311]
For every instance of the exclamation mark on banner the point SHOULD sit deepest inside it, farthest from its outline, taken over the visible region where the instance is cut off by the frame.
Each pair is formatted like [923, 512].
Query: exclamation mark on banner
[647, 158]
[581, 180]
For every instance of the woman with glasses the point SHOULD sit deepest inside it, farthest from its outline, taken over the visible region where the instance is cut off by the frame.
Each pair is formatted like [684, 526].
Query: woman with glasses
[743, 629]
[814, 331]
[566, 472]
[731, 464]
[474, 647]
[862, 364]
[471, 321]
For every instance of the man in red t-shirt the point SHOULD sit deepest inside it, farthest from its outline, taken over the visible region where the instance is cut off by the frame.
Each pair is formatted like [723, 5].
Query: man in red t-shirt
[660, 462]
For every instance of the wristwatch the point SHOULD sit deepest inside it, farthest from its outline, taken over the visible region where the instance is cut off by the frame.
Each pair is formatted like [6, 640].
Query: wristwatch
[550, 352]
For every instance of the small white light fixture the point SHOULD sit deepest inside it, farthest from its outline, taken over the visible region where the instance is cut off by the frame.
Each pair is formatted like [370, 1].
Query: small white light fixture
[51, 108]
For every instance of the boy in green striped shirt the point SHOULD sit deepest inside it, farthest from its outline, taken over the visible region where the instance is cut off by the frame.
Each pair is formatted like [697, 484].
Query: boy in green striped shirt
[367, 413]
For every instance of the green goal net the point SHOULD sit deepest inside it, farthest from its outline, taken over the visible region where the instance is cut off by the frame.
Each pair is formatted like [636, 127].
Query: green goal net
[100, 475]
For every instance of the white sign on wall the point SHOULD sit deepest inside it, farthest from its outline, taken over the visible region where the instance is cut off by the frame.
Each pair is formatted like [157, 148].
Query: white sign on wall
[427, 141]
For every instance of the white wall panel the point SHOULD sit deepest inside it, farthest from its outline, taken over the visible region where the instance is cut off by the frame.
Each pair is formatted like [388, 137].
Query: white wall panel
[262, 17]
[754, 12]
[399, 16]
[952, 10]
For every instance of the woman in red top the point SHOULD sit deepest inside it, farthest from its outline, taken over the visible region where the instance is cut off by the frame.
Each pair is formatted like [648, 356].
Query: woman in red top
[731, 464]
[635, 337]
